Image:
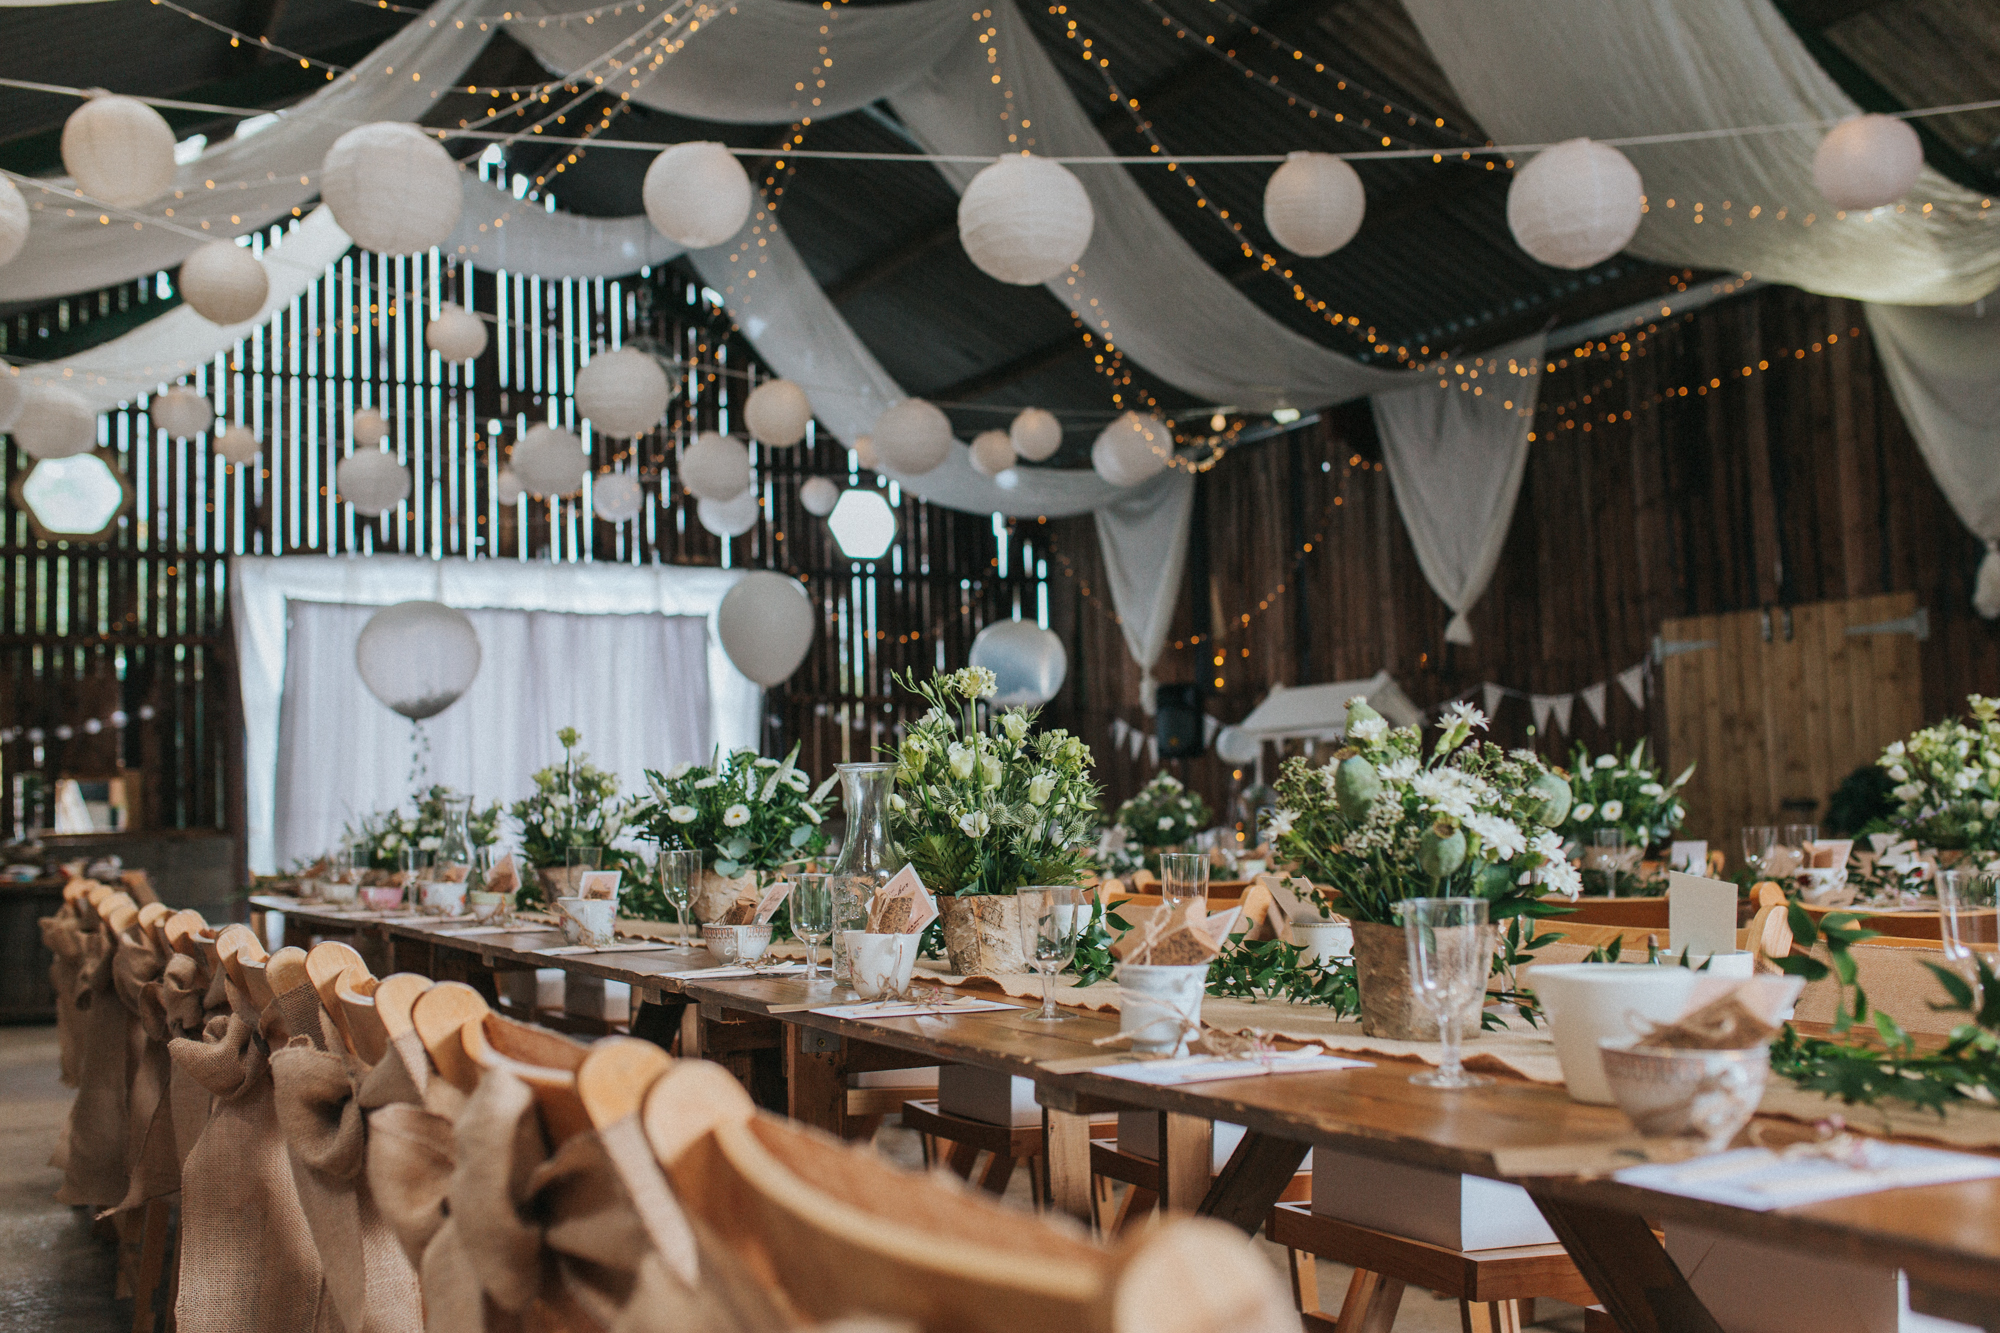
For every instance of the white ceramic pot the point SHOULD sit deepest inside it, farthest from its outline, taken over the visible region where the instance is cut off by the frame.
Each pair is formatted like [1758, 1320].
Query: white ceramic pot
[587, 921]
[1588, 1003]
[443, 897]
[489, 909]
[737, 944]
[882, 963]
[1708, 1095]
[338, 890]
[1323, 942]
[1157, 1004]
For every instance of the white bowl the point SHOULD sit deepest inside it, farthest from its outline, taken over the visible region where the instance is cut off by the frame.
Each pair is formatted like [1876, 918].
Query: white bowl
[737, 944]
[1709, 1095]
[1587, 1003]
[588, 921]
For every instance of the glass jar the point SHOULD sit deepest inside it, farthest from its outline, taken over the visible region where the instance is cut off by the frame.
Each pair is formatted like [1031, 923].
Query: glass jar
[454, 849]
[868, 858]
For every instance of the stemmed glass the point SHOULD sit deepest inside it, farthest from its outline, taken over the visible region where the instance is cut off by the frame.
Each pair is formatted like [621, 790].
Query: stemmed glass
[1451, 951]
[1759, 842]
[1797, 839]
[678, 871]
[415, 864]
[1183, 875]
[812, 917]
[1969, 920]
[1606, 853]
[1051, 920]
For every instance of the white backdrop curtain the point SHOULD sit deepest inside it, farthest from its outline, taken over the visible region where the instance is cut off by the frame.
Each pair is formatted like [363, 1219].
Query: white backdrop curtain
[261, 587]
[635, 686]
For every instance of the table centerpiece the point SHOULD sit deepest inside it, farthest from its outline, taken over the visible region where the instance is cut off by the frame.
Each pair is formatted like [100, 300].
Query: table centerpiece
[574, 804]
[1164, 816]
[1947, 788]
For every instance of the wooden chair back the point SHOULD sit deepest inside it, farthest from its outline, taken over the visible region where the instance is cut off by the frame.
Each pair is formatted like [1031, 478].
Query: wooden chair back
[329, 961]
[237, 945]
[395, 997]
[120, 914]
[180, 931]
[546, 1061]
[437, 1015]
[153, 916]
[615, 1076]
[354, 992]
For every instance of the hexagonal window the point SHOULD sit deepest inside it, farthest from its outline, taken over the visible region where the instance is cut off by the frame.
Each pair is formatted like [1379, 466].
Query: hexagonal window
[73, 497]
[863, 524]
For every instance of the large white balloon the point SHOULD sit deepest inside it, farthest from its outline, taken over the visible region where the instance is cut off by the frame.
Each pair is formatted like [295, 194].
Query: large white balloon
[238, 444]
[1028, 662]
[182, 413]
[418, 657]
[766, 626]
[1132, 449]
[912, 437]
[1867, 161]
[715, 467]
[729, 518]
[372, 481]
[992, 452]
[118, 150]
[697, 194]
[1576, 204]
[392, 187]
[819, 495]
[623, 392]
[617, 497]
[777, 413]
[54, 422]
[12, 387]
[1025, 219]
[1237, 746]
[507, 487]
[456, 334]
[550, 461]
[1313, 204]
[225, 283]
[13, 220]
[1036, 434]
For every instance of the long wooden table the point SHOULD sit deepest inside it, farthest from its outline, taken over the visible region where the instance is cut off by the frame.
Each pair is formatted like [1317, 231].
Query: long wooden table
[1946, 1237]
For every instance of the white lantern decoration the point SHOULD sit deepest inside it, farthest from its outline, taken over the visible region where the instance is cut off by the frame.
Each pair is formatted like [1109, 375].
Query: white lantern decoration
[550, 461]
[13, 220]
[777, 413]
[507, 487]
[418, 657]
[1576, 204]
[182, 413]
[456, 334]
[225, 283]
[372, 481]
[1036, 434]
[238, 444]
[118, 150]
[992, 452]
[392, 187]
[1237, 746]
[864, 452]
[1132, 449]
[1313, 204]
[715, 467]
[729, 518]
[623, 392]
[1028, 662]
[819, 495]
[54, 422]
[912, 437]
[11, 388]
[1025, 219]
[617, 497]
[1867, 161]
[766, 625]
[370, 427]
[697, 194]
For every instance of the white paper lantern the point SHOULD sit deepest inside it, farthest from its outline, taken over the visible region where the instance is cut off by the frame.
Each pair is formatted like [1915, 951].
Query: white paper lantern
[54, 422]
[550, 461]
[992, 452]
[819, 495]
[1028, 662]
[623, 392]
[766, 625]
[507, 487]
[1036, 434]
[372, 481]
[1576, 204]
[1313, 204]
[370, 427]
[864, 452]
[777, 413]
[1132, 449]
[418, 657]
[617, 497]
[729, 518]
[225, 283]
[13, 220]
[118, 150]
[392, 187]
[697, 194]
[1237, 746]
[238, 444]
[912, 437]
[182, 413]
[456, 334]
[1867, 161]
[715, 467]
[1025, 219]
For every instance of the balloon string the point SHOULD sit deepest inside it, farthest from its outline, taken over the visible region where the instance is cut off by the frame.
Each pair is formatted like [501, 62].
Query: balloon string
[420, 754]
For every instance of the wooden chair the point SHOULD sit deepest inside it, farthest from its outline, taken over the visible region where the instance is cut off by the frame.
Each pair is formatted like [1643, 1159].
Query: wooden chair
[326, 964]
[957, 1144]
[236, 946]
[437, 1016]
[354, 991]
[546, 1061]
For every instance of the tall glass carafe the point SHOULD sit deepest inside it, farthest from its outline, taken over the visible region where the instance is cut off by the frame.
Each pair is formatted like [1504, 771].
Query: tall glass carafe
[869, 857]
[454, 850]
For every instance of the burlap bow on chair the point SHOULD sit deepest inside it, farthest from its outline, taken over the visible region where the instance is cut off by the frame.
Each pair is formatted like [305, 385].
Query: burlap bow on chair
[93, 1152]
[63, 937]
[151, 1154]
[176, 1003]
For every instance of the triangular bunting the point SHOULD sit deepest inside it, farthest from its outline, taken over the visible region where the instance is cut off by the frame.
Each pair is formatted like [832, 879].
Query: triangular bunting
[1542, 705]
[1563, 704]
[1494, 694]
[1593, 699]
[1632, 680]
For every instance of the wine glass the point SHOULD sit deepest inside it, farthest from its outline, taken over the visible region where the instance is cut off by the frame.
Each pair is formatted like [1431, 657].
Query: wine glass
[678, 871]
[812, 917]
[1451, 951]
[1759, 842]
[1051, 920]
[1969, 920]
[1607, 851]
[415, 862]
[1183, 875]
[1798, 839]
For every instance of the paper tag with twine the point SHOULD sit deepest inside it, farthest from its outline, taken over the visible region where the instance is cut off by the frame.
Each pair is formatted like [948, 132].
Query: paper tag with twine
[1181, 935]
[503, 877]
[903, 906]
[598, 884]
[1742, 1015]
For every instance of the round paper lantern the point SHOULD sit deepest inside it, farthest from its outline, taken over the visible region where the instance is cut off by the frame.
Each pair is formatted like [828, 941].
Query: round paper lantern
[819, 495]
[11, 388]
[225, 283]
[623, 392]
[418, 657]
[992, 452]
[238, 444]
[550, 461]
[13, 220]
[766, 625]
[777, 413]
[391, 187]
[372, 481]
[1028, 662]
[1867, 161]
[697, 194]
[507, 487]
[1313, 204]
[118, 150]
[617, 497]
[1576, 204]
[1036, 434]
[729, 518]
[1025, 219]
[182, 413]
[715, 467]
[912, 437]
[370, 427]
[864, 452]
[1132, 449]
[456, 334]
[54, 422]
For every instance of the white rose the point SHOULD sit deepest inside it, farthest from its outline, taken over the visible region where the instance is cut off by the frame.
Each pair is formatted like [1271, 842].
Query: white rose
[736, 816]
[1166, 822]
[1607, 761]
[682, 814]
[1899, 774]
[1016, 724]
[897, 803]
[975, 824]
[1652, 789]
[991, 767]
[961, 760]
[1039, 788]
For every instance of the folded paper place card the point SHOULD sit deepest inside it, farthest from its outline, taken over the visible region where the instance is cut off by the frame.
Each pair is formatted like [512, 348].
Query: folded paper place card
[1761, 1180]
[900, 1009]
[1295, 897]
[599, 884]
[1701, 915]
[1207, 1069]
[903, 906]
[1690, 858]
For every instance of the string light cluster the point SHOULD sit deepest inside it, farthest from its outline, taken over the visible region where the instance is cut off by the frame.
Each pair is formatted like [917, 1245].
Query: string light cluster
[237, 38]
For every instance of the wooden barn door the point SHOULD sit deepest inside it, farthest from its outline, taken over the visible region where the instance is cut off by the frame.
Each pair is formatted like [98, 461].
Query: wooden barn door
[1776, 707]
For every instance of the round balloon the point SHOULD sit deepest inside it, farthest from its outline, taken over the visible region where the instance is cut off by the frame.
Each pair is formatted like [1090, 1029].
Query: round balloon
[777, 413]
[819, 495]
[550, 461]
[864, 452]
[507, 487]
[1027, 661]
[992, 452]
[13, 220]
[238, 444]
[623, 392]
[372, 481]
[418, 657]
[1036, 434]
[456, 334]
[1025, 219]
[118, 150]
[1132, 449]
[715, 467]
[182, 413]
[1313, 204]
[729, 518]
[54, 422]
[225, 283]
[1867, 161]
[370, 428]
[766, 626]
[697, 194]
[392, 187]
[1576, 204]
[617, 497]
[912, 437]
[1237, 746]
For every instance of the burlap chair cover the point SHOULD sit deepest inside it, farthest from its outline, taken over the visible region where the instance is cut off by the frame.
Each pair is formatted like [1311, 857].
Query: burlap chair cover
[64, 940]
[151, 1155]
[93, 1153]
[175, 1005]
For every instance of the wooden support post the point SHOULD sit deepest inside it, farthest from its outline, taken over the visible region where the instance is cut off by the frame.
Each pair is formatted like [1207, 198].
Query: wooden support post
[1628, 1268]
[816, 1080]
[1187, 1155]
[1252, 1180]
[1066, 1160]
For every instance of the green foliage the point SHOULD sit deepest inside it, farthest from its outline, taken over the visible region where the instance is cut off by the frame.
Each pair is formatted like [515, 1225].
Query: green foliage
[1947, 781]
[575, 804]
[1621, 791]
[1862, 803]
[1273, 970]
[387, 833]
[740, 811]
[1093, 961]
[1163, 814]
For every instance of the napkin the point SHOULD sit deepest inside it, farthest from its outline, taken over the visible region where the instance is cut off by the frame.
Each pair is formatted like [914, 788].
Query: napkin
[503, 878]
[1296, 897]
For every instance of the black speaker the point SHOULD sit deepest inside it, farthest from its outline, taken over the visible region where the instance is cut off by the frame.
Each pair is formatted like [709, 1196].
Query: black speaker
[1178, 721]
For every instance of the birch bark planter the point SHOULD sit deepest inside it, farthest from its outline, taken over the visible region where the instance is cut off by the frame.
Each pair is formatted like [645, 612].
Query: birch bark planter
[715, 894]
[1389, 1007]
[982, 934]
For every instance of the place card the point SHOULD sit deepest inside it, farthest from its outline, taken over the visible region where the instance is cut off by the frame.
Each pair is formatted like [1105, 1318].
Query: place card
[900, 1009]
[1701, 915]
[1760, 1180]
[1208, 1069]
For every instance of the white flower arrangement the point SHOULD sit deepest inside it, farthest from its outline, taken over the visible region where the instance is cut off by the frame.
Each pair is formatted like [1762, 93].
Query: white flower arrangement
[1948, 781]
[742, 811]
[1621, 791]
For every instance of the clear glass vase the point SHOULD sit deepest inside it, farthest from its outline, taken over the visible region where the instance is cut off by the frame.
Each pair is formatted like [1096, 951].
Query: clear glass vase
[454, 847]
[868, 858]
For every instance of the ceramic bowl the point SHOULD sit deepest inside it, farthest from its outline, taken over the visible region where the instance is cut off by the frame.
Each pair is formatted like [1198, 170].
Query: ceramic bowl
[381, 897]
[337, 890]
[882, 963]
[1589, 1002]
[737, 944]
[1708, 1095]
[443, 897]
[489, 908]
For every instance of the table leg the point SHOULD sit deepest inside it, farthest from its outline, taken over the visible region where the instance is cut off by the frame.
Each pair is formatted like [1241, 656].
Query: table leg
[1370, 1304]
[1066, 1158]
[1628, 1268]
[1187, 1157]
[816, 1080]
[1253, 1180]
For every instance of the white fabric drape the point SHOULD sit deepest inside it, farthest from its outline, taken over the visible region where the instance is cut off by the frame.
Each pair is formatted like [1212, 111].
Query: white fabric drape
[1455, 460]
[635, 686]
[1145, 542]
[261, 586]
